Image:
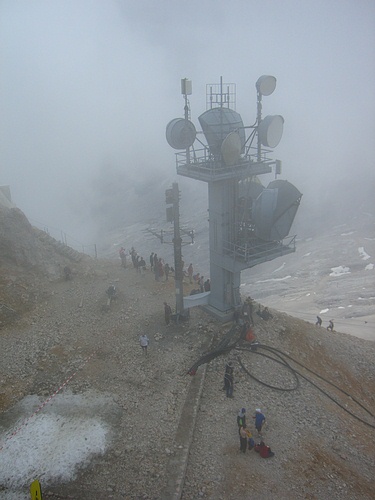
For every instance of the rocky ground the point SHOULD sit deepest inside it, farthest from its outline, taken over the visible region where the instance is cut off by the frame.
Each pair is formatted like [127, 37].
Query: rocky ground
[64, 332]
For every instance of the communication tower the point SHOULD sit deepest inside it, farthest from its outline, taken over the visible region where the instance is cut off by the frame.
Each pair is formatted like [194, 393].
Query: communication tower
[248, 223]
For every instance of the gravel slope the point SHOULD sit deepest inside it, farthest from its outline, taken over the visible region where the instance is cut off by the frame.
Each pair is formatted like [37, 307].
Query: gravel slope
[320, 450]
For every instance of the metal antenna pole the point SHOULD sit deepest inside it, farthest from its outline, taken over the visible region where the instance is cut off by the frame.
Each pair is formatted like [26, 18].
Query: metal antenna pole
[186, 109]
[177, 244]
[259, 119]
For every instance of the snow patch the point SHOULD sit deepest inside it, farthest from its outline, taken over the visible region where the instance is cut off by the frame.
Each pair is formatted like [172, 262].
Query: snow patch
[279, 268]
[363, 254]
[274, 279]
[53, 444]
[339, 271]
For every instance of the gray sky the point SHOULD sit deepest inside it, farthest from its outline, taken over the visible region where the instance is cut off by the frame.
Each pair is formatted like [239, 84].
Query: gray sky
[88, 84]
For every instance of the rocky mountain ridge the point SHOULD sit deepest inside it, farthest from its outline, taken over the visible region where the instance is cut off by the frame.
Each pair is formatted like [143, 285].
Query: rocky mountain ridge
[62, 332]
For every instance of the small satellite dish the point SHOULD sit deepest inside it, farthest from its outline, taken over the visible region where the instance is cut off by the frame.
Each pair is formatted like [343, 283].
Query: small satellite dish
[270, 130]
[266, 84]
[231, 148]
[180, 133]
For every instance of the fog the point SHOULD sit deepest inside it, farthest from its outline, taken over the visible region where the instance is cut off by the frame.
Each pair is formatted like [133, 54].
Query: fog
[87, 88]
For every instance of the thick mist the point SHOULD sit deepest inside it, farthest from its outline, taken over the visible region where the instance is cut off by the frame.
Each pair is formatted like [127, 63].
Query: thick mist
[88, 87]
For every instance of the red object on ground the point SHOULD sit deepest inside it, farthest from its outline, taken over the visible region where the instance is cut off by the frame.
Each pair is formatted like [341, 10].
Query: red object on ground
[250, 336]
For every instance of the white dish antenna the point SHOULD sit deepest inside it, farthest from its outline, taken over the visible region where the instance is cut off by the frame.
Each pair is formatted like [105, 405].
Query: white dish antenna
[266, 84]
[270, 130]
[231, 148]
[180, 133]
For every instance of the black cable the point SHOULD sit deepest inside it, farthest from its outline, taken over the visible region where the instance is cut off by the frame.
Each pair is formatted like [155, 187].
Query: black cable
[272, 349]
[224, 350]
[282, 362]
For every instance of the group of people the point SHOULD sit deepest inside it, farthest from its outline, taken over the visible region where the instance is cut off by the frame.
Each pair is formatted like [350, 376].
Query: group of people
[159, 267]
[203, 285]
[246, 439]
[330, 326]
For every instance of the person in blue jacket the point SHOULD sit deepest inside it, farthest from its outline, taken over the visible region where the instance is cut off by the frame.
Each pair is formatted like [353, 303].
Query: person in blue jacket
[259, 420]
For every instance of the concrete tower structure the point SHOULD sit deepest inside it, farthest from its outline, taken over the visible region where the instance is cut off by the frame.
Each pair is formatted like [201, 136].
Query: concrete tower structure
[248, 223]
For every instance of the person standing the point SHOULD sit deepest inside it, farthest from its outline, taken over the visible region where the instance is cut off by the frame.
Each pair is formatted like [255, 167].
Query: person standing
[201, 284]
[190, 272]
[243, 439]
[156, 267]
[152, 261]
[167, 313]
[228, 369]
[241, 418]
[259, 420]
[167, 271]
[144, 342]
[123, 256]
[228, 383]
[318, 321]
[142, 266]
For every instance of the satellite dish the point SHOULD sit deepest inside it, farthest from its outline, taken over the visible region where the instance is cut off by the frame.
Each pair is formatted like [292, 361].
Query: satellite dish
[231, 148]
[266, 84]
[270, 130]
[180, 133]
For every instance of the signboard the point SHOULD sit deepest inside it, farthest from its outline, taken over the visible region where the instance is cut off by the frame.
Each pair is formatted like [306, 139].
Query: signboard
[35, 490]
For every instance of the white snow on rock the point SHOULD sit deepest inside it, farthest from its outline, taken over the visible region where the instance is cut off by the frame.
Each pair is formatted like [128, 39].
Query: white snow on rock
[274, 279]
[363, 254]
[339, 271]
[55, 442]
[279, 268]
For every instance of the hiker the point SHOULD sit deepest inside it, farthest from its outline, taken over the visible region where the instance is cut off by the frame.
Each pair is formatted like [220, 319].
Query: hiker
[241, 419]
[228, 369]
[266, 315]
[111, 291]
[160, 267]
[167, 313]
[318, 321]
[331, 325]
[144, 342]
[264, 450]
[236, 316]
[259, 420]
[67, 273]
[156, 267]
[249, 306]
[142, 265]
[243, 439]
[122, 256]
[207, 285]
[190, 272]
[228, 383]
[196, 278]
[167, 271]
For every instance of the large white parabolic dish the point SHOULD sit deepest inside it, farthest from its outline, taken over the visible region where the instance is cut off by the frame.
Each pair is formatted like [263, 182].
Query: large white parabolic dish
[270, 130]
[266, 84]
[180, 133]
[231, 149]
